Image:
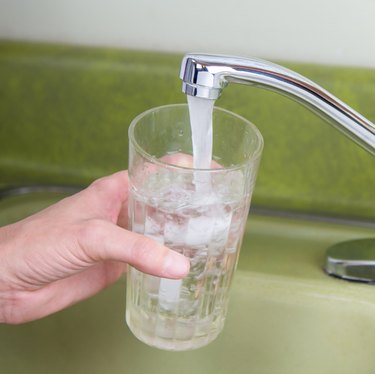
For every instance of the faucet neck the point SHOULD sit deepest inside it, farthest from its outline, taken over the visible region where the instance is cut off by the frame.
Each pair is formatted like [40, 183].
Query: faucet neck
[206, 75]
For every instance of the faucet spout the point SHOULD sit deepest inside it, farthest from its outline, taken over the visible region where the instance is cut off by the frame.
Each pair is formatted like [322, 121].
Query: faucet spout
[205, 76]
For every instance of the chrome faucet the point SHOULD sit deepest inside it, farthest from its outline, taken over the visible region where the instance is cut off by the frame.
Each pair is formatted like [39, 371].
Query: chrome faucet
[206, 76]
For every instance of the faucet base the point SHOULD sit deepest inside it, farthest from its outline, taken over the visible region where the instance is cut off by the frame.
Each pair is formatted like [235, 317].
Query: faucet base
[352, 260]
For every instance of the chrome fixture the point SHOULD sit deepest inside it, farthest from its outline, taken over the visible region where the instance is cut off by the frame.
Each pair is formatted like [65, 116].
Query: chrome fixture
[352, 260]
[206, 75]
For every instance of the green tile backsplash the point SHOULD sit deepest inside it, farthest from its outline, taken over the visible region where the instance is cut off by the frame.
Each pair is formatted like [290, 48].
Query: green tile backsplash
[65, 110]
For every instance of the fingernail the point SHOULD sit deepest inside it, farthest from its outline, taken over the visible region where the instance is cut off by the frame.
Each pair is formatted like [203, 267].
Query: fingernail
[176, 265]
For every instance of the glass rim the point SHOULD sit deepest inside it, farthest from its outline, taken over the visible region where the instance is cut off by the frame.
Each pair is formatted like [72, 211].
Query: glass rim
[256, 154]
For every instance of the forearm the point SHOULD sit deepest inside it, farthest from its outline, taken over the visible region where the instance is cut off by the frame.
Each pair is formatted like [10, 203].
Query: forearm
[8, 296]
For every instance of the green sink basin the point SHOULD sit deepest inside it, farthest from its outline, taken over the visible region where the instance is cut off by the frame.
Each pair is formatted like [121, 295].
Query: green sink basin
[285, 315]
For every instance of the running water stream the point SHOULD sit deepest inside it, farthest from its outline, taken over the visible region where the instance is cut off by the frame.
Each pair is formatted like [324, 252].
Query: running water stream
[200, 111]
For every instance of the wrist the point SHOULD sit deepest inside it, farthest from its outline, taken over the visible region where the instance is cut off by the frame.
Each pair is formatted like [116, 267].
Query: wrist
[7, 296]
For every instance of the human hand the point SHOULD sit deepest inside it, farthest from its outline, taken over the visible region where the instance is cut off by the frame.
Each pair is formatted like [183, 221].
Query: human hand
[72, 250]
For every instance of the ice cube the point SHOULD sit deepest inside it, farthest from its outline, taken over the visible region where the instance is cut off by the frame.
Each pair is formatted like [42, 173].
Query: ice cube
[221, 230]
[154, 225]
[169, 293]
[199, 230]
[210, 228]
[175, 229]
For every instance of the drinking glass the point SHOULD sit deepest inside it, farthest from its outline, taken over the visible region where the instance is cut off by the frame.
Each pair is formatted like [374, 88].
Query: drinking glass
[200, 213]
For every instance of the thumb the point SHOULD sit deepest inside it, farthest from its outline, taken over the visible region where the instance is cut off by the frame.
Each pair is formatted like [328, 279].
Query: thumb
[102, 240]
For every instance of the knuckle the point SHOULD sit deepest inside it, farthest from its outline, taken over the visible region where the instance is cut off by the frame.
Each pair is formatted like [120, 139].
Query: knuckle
[107, 183]
[98, 187]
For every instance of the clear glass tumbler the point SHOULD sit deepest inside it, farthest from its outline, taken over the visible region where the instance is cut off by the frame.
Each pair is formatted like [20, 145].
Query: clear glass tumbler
[206, 225]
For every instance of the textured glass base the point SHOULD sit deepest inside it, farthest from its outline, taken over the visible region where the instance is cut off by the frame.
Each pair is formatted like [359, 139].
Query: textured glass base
[180, 338]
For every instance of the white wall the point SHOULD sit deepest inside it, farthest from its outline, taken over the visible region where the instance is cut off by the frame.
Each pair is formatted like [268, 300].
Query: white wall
[326, 31]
